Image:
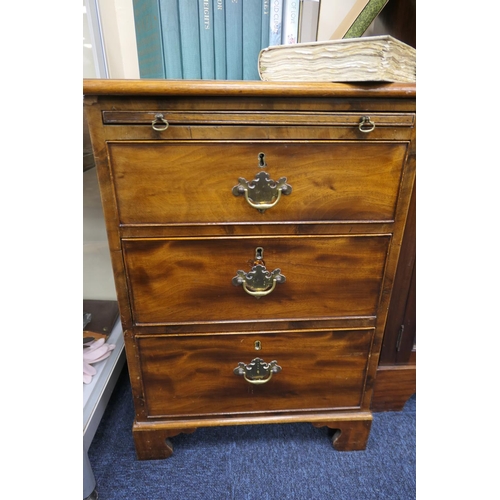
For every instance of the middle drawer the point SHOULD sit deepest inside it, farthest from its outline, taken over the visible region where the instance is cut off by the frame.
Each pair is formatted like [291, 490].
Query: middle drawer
[197, 280]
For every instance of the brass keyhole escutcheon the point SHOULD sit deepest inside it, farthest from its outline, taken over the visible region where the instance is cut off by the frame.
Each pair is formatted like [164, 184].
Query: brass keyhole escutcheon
[262, 160]
[258, 345]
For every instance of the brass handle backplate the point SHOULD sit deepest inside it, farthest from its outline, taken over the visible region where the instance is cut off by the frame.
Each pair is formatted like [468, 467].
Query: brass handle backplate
[262, 193]
[259, 281]
[257, 371]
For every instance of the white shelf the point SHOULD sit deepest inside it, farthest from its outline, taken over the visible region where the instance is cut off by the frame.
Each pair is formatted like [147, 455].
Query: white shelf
[95, 399]
[96, 394]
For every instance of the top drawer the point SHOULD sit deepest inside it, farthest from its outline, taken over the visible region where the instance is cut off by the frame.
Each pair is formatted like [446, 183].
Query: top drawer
[199, 182]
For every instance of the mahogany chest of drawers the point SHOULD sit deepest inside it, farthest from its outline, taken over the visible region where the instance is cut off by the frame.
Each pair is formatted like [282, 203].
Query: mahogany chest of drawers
[254, 231]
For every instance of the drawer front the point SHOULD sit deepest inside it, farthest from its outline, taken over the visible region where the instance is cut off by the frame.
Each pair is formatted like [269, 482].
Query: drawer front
[186, 119]
[258, 125]
[192, 182]
[182, 281]
[194, 375]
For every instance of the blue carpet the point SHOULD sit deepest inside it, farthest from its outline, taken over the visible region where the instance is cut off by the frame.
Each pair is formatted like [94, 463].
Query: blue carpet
[266, 462]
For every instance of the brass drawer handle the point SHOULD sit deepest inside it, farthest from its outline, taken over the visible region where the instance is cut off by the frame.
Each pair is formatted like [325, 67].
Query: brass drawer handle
[262, 193]
[159, 123]
[259, 281]
[366, 125]
[257, 371]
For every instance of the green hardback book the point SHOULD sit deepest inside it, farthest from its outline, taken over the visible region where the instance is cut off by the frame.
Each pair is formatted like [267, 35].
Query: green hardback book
[252, 25]
[190, 39]
[264, 32]
[365, 18]
[234, 39]
[219, 39]
[206, 21]
[172, 55]
[149, 38]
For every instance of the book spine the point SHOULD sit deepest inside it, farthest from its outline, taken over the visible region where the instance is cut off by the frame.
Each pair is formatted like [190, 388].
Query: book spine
[275, 22]
[169, 13]
[149, 38]
[365, 18]
[190, 39]
[308, 20]
[290, 28]
[234, 39]
[252, 23]
[219, 39]
[207, 53]
[265, 27]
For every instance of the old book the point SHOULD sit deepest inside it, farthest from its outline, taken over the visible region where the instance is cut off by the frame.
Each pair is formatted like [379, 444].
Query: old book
[101, 318]
[365, 18]
[375, 58]
[348, 20]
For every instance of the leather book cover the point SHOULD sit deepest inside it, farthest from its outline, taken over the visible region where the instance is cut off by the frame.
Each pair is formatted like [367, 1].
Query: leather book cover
[103, 316]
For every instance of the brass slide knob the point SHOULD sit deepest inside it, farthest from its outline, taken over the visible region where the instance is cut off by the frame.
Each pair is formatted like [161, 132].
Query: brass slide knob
[159, 123]
[257, 371]
[366, 125]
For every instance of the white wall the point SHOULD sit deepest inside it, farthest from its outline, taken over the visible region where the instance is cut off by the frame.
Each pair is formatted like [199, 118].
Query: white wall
[117, 18]
[116, 36]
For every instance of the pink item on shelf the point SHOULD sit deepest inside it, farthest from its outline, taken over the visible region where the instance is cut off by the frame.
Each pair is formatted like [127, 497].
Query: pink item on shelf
[93, 352]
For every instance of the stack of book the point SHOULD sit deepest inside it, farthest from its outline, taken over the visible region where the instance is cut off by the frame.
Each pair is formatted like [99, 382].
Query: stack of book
[222, 39]
[204, 39]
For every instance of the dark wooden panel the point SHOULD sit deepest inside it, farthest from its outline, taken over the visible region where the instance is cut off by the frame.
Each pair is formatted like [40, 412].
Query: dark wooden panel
[399, 19]
[394, 385]
[400, 331]
[194, 374]
[191, 280]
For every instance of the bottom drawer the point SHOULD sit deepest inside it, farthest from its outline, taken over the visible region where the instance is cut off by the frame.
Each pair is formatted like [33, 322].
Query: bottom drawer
[194, 375]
